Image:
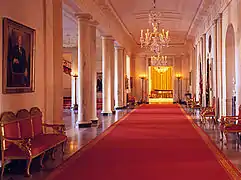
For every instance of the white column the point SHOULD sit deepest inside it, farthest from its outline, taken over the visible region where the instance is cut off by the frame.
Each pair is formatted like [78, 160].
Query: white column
[147, 81]
[204, 70]
[53, 62]
[84, 70]
[215, 68]
[108, 78]
[219, 65]
[112, 73]
[194, 70]
[125, 75]
[93, 59]
[119, 77]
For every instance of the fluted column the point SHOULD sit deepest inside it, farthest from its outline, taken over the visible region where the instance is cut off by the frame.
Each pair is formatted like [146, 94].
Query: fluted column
[84, 70]
[108, 74]
[93, 113]
[119, 76]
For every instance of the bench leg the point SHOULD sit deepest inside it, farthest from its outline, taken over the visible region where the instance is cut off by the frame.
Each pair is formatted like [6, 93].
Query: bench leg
[63, 147]
[3, 167]
[41, 160]
[53, 154]
[29, 161]
[221, 136]
[226, 136]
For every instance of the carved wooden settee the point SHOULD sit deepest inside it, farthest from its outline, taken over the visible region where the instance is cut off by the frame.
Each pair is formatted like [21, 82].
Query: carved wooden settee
[23, 136]
[209, 112]
[230, 124]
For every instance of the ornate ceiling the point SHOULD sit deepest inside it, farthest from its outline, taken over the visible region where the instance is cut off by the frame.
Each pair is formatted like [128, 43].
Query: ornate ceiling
[177, 16]
[123, 19]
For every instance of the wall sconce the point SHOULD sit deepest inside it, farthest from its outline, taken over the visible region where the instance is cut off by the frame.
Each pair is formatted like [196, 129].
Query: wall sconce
[178, 76]
[142, 76]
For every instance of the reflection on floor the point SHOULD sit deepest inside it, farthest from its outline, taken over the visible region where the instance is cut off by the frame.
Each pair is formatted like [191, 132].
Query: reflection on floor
[77, 138]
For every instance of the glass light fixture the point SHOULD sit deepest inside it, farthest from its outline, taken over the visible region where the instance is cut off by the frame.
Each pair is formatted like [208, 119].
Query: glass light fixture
[161, 69]
[156, 38]
[158, 60]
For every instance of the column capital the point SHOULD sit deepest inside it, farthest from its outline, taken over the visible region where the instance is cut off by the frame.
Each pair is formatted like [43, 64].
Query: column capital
[215, 21]
[107, 37]
[83, 16]
[119, 48]
[94, 23]
[220, 15]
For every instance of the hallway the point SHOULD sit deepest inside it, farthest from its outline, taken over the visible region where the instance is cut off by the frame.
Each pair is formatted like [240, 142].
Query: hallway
[151, 142]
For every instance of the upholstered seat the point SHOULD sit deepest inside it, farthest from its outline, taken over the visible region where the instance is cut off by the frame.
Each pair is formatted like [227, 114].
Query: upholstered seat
[230, 124]
[24, 136]
[39, 144]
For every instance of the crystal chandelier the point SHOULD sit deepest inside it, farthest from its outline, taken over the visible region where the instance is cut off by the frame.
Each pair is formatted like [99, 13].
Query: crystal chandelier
[161, 69]
[158, 60]
[154, 39]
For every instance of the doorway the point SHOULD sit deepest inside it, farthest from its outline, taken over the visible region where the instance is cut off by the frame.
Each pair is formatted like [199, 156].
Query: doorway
[230, 71]
[161, 84]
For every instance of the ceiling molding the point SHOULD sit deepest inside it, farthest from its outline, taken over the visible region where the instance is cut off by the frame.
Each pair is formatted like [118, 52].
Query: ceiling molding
[194, 19]
[120, 21]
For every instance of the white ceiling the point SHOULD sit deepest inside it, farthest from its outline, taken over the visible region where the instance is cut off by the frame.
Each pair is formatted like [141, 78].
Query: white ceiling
[177, 16]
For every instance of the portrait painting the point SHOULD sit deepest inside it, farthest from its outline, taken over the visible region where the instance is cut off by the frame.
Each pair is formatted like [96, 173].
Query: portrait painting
[18, 57]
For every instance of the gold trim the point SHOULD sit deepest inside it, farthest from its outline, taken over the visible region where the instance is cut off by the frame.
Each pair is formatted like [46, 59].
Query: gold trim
[232, 171]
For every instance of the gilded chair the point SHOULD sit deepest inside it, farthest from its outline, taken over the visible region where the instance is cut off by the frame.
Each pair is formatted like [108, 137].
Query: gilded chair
[230, 124]
[209, 112]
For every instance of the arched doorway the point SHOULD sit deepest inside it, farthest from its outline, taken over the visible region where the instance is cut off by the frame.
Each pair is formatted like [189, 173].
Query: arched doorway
[230, 69]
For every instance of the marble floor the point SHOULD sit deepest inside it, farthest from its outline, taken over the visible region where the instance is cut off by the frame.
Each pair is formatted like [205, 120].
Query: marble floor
[77, 138]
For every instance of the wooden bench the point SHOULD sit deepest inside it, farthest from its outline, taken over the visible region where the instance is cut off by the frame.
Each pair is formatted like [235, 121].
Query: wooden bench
[23, 136]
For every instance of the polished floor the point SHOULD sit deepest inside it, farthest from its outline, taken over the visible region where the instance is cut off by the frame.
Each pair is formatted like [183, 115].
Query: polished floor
[77, 138]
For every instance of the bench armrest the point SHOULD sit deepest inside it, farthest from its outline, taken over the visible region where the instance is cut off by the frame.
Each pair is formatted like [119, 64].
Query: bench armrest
[57, 128]
[23, 144]
[230, 120]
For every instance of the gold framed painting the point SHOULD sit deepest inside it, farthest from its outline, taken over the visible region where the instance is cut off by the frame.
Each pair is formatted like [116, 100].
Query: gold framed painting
[18, 57]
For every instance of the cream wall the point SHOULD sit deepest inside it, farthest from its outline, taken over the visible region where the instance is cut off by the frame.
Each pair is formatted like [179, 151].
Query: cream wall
[48, 67]
[230, 14]
[25, 15]
[140, 70]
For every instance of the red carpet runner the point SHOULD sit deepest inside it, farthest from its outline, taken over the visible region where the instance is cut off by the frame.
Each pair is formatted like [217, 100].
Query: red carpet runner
[154, 142]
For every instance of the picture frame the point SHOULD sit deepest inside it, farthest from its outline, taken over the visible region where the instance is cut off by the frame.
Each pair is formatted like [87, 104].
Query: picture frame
[18, 57]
